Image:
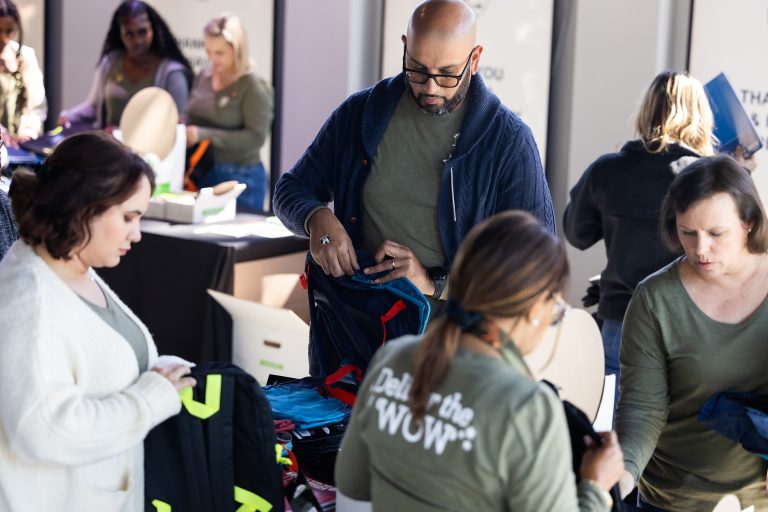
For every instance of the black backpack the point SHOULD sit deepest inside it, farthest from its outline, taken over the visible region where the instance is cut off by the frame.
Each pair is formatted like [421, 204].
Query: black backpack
[351, 317]
[578, 427]
[218, 454]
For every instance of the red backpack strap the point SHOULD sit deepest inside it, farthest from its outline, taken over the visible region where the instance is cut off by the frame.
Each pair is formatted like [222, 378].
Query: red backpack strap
[396, 308]
[342, 394]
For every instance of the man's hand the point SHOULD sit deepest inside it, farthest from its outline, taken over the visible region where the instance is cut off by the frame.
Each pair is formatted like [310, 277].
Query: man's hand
[400, 261]
[337, 257]
[749, 164]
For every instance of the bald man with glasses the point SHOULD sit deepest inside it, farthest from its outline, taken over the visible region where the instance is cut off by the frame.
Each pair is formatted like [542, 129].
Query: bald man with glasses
[414, 162]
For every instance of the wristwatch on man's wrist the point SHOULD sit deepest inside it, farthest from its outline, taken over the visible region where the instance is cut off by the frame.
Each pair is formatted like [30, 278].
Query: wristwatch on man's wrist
[438, 275]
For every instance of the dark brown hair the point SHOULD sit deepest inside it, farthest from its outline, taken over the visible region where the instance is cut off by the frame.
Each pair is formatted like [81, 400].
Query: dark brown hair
[84, 176]
[502, 268]
[701, 180]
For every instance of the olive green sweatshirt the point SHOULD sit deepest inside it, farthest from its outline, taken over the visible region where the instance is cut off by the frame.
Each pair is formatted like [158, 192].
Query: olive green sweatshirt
[492, 440]
[673, 358]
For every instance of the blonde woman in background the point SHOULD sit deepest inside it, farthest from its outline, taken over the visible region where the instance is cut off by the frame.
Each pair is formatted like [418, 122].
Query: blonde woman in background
[618, 198]
[232, 107]
[23, 107]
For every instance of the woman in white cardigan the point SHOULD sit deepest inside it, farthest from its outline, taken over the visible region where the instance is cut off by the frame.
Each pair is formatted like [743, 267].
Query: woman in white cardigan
[79, 385]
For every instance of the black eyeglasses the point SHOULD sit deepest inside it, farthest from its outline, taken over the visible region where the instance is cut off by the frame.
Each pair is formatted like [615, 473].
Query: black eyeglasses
[442, 80]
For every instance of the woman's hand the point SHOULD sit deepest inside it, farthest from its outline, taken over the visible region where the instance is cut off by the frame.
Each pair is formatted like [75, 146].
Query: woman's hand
[6, 137]
[192, 135]
[603, 464]
[177, 375]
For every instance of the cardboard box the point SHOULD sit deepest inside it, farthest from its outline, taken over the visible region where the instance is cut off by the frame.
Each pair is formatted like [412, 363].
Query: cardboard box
[195, 207]
[266, 339]
[205, 207]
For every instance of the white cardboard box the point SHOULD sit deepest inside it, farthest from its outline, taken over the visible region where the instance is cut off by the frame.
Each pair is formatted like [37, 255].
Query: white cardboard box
[266, 339]
[195, 208]
[206, 207]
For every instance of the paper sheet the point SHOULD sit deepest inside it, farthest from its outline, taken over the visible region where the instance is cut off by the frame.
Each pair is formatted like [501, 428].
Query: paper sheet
[604, 420]
[266, 229]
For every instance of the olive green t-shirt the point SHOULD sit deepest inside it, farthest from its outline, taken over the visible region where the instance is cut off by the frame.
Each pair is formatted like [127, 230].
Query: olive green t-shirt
[400, 197]
[492, 440]
[673, 358]
[237, 119]
[116, 318]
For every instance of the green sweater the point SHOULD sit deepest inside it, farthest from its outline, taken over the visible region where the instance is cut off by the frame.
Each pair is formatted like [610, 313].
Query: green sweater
[674, 357]
[237, 119]
[492, 440]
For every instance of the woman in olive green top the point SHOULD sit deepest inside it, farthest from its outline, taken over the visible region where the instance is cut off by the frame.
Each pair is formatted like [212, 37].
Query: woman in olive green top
[453, 420]
[232, 107]
[696, 327]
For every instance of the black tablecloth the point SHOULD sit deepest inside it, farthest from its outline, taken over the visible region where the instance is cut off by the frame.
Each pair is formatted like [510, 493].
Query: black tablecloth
[164, 278]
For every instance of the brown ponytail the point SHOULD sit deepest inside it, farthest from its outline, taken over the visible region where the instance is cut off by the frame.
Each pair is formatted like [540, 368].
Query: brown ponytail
[502, 268]
[432, 362]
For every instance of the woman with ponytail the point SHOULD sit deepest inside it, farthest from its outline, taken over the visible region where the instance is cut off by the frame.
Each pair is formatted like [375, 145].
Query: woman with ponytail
[454, 420]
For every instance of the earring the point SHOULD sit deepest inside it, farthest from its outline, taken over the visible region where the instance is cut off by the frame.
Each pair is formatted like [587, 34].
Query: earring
[535, 322]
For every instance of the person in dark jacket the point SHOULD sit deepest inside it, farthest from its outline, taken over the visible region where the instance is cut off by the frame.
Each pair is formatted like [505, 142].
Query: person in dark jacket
[414, 162]
[618, 198]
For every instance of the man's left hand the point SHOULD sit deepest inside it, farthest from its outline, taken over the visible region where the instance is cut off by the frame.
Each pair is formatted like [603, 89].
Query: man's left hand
[399, 261]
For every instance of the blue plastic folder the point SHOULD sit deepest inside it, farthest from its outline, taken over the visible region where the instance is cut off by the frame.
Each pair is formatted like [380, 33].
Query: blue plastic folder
[733, 126]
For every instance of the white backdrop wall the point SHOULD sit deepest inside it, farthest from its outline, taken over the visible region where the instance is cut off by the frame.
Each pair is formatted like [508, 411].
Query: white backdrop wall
[32, 14]
[516, 36]
[331, 49]
[733, 41]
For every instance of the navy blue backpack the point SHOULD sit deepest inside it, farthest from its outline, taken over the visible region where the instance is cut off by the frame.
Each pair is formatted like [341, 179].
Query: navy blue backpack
[351, 317]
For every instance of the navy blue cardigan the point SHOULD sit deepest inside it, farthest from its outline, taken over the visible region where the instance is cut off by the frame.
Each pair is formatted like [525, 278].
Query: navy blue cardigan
[495, 166]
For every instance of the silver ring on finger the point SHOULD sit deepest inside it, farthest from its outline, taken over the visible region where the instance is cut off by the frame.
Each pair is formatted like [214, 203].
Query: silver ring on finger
[393, 264]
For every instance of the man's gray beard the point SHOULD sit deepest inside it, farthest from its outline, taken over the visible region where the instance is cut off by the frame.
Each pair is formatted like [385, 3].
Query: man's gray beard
[448, 106]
